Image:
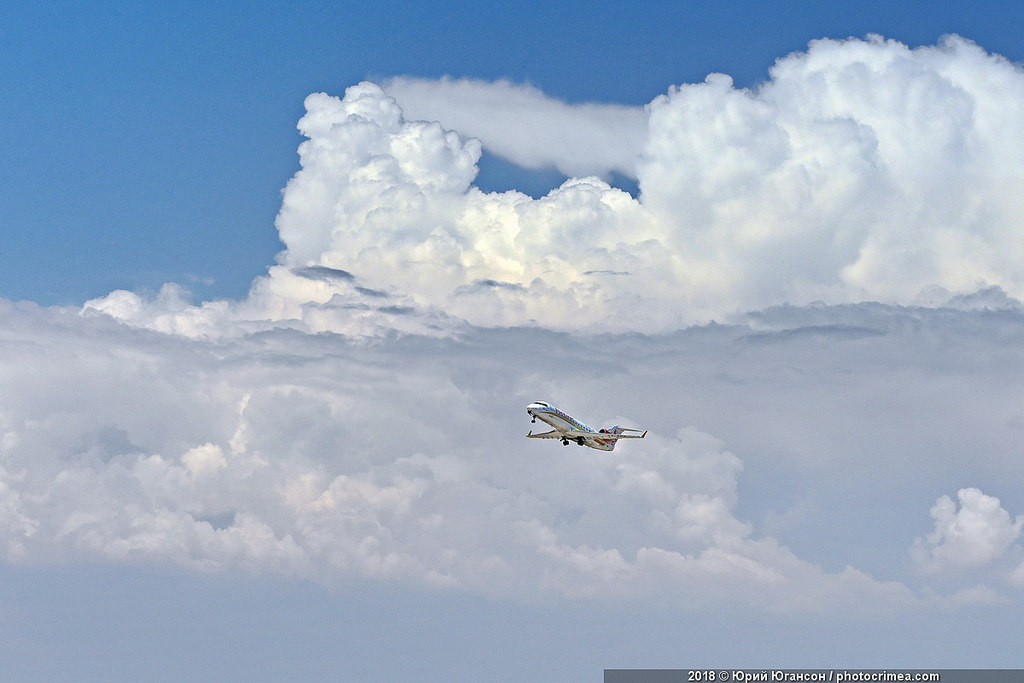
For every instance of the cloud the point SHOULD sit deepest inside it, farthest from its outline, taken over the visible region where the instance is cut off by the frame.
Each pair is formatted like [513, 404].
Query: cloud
[973, 535]
[527, 127]
[398, 459]
[861, 170]
[1017, 576]
[350, 418]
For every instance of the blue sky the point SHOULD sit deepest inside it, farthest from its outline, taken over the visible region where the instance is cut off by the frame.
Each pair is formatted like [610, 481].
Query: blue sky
[265, 354]
[149, 143]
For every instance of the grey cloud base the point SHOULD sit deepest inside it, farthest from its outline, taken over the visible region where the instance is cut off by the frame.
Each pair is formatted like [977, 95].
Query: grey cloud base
[403, 460]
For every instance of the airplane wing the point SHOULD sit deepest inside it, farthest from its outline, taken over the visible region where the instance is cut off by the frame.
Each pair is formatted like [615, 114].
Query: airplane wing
[628, 436]
[553, 434]
[572, 433]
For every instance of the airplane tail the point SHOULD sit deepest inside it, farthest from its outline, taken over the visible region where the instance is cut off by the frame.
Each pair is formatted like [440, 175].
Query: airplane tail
[614, 430]
[617, 431]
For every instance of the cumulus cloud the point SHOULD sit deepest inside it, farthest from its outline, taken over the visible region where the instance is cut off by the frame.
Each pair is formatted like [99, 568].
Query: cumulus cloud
[972, 534]
[861, 170]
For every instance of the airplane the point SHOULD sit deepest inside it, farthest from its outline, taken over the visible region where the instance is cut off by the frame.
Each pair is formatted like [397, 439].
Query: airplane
[568, 428]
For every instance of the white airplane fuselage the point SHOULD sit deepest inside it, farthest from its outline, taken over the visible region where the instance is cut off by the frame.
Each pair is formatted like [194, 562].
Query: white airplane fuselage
[567, 428]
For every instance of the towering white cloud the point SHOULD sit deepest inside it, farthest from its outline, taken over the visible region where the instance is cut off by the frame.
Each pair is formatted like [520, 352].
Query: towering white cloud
[861, 170]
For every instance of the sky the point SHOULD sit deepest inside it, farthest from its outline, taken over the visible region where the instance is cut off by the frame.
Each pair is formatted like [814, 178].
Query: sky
[277, 282]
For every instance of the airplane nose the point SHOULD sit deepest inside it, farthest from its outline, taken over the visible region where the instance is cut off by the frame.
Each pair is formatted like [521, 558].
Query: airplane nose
[537, 407]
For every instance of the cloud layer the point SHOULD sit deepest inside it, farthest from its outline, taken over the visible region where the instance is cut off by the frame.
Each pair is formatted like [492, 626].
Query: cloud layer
[403, 460]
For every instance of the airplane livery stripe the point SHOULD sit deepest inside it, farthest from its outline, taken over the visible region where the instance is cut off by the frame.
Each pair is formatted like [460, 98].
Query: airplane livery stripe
[568, 418]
